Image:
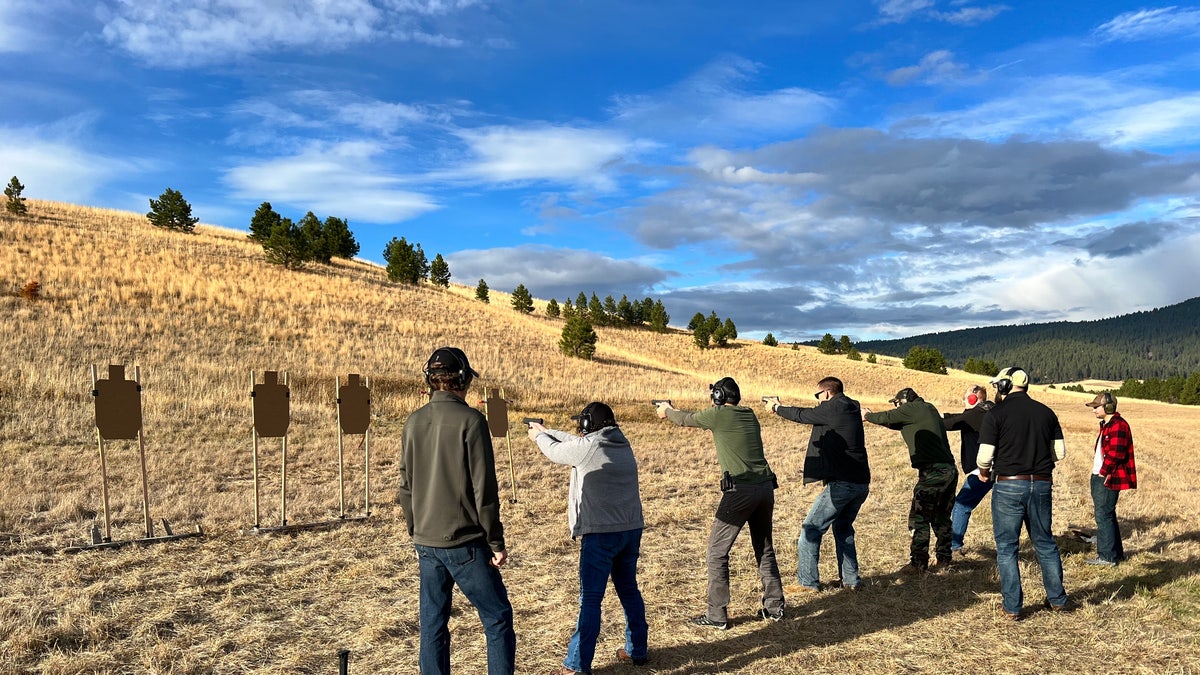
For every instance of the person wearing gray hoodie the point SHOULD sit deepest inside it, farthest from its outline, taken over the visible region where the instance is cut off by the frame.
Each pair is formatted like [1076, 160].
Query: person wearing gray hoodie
[604, 511]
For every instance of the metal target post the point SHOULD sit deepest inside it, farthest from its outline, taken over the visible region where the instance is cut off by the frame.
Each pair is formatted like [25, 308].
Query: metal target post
[103, 465]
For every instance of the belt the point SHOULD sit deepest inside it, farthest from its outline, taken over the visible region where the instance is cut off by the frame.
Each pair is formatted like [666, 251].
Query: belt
[1027, 476]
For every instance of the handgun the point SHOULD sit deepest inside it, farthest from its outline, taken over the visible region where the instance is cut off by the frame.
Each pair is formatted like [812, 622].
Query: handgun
[532, 420]
[768, 399]
[659, 401]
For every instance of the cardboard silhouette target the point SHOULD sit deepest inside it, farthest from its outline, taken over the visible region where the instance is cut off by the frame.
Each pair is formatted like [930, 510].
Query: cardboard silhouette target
[354, 417]
[495, 408]
[118, 403]
[271, 403]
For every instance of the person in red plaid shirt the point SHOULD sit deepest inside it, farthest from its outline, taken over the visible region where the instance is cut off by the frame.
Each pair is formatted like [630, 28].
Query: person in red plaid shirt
[1113, 470]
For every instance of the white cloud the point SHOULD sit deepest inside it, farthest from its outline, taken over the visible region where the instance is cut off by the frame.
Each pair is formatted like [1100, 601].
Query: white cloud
[1150, 24]
[715, 103]
[566, 154]
[1076, 290]
[52, 165]
[227, 30]
[934, 68]
[340, 180]
[901, 11]
[1164, 122]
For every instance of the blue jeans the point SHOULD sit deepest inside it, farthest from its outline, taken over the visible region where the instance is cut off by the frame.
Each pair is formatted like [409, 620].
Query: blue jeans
[1025, 501]
[1108, 532]
[602, 555]
[972, 493]
[468, 566]
[836, 506]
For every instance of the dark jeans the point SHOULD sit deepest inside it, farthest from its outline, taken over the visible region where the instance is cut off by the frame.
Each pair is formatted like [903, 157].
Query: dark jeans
[1017, 502]
[602, 555]
[752, 504]
[468, 566]
[972, 493]
[1108, 532]
[932, 503]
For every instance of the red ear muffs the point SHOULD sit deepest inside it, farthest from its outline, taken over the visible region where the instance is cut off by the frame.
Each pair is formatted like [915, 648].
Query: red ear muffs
[972, 399]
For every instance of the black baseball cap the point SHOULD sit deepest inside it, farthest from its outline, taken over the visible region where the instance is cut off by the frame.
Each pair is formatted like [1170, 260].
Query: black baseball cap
[450, 359]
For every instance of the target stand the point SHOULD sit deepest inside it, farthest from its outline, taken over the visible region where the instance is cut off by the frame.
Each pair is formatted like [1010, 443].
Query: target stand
[496, 410]
[354, 417]
[272, 417]
[119, 417]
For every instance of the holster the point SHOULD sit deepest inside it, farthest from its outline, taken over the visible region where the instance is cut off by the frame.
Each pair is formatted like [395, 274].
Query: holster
[726, 482]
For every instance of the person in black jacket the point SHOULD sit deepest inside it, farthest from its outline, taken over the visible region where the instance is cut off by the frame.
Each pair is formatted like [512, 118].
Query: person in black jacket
[968, 422]
[837, 456]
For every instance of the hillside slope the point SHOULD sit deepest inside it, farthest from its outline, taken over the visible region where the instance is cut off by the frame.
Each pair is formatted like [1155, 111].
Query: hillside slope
[198, 313]
[1157, 343]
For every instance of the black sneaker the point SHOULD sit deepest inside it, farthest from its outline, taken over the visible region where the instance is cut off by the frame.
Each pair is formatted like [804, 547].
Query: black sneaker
[703, 620]
[764, 615]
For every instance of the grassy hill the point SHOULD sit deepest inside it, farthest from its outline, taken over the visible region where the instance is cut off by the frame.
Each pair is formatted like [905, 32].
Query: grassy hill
[198, 313]
[1158, 343]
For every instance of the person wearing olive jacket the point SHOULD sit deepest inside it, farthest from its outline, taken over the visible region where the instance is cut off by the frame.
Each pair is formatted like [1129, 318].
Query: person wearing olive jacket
[747, 498]
[921, 426]
[837, 457]
[450, 497]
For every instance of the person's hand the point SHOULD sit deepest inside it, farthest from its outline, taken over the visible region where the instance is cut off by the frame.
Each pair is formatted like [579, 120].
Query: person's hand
[534, 430]
[985, 475]
[662, 409]
[1106, 479]
[771, 402]
[864, 412]
[499, 558]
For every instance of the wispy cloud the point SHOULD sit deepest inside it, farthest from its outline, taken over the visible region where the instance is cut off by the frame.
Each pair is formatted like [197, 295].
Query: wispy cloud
[934, 68]
[1150, 24]
[54, 162]
[340, 179]
[719, 103]
[961, 13]
[504, 154]
[223, 31]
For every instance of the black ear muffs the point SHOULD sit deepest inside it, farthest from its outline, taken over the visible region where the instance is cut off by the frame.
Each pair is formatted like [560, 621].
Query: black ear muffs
[1110, 403]
[717, 394]
[583, 421]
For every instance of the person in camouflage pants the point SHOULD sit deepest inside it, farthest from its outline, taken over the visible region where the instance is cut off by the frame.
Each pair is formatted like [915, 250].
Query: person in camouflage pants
[921, 426]
[932, 506]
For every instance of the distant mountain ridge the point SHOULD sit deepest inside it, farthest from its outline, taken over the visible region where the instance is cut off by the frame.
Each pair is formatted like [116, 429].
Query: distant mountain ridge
[1159, 343]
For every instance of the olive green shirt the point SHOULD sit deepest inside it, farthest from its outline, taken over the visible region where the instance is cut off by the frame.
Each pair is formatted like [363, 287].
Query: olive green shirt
[738, 437]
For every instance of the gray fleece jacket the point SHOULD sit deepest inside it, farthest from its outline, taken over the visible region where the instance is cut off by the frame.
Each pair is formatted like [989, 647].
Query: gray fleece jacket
[603, 494]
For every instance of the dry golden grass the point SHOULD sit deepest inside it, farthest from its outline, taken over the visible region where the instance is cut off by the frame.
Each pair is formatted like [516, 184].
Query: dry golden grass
[198, 312]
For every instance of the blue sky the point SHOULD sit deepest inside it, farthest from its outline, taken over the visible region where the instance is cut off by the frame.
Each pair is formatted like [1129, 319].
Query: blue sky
[870, 168]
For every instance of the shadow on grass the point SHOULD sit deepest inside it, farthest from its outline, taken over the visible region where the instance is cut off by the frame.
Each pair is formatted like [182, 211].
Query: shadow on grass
[829, 617]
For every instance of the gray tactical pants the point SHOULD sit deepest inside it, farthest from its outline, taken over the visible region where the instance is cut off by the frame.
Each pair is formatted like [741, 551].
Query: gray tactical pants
[752, 504]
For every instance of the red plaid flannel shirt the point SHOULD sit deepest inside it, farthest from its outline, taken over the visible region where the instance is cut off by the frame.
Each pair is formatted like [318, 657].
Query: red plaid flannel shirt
[1116, 447]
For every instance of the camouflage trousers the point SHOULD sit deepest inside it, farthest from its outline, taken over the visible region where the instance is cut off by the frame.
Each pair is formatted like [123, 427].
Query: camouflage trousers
[932, 504]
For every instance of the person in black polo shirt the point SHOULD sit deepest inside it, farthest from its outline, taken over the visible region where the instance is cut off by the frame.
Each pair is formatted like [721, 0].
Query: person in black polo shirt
[1019, 444]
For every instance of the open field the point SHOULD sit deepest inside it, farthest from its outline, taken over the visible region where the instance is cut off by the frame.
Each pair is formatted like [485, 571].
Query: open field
[199, 312]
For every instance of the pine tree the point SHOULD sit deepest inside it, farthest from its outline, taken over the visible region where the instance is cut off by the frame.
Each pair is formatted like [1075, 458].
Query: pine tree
[439, 272]
[522, 301]
[658, 317]
[853, 354]
[730, 330]
[595, 312]
[626, 313]
[314, 234]
[339, 240]
[697, 319]
[14, 202]
[770, 341]
[285, 245]
[172, 211]
[578, 338]
[581, 304]
[871, 358]
[481, 292]
[926, 359]
[701, 335]
[263, 221]
[844, 345]
[611, 316]
[827, 345]
[405, 262]
[568, 309]
[552, 309]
